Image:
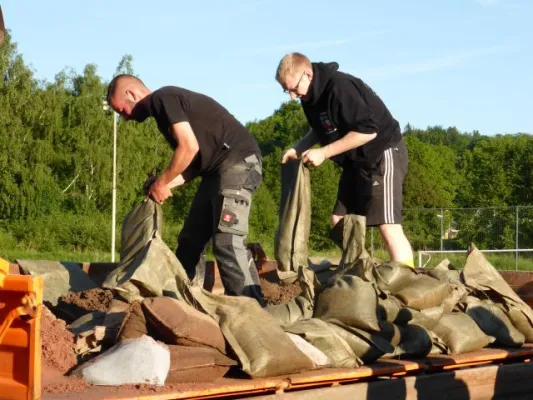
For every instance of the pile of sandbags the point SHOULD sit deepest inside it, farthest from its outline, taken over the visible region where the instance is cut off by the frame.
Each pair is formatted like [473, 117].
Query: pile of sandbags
[391, 310]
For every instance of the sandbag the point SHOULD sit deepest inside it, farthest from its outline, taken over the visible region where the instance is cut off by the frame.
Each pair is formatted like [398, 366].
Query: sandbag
[350, 301]
[147, 268]
[390, 332]
[460, 333]
[427, 318]
[297, 308]
[323, 336]
[479, 274]
[59, 278]
[367, 346]
[353, 241]
[423, 292]
[292, 234]
[409, 341]
[457, 294]
[258, 341]
[179, 323]
[393, 276]
[318, 358]
[135, 323]
[494, 322]
[446, 273]
[388, 308]
[197, 364]
[520, 321]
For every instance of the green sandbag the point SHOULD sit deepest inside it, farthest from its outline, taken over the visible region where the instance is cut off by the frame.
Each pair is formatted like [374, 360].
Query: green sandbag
[479, 274]
[445, 272]
[413, 341]
[390, 332]
[285, 314]
[147, 267]
[494, 322]
[460, 333]
[388, 308]
[520, 321]
[292, 234]
[393, 276]
[324, 337]
[367, 346]
[423, 292]
[254, 335]
[350, 301]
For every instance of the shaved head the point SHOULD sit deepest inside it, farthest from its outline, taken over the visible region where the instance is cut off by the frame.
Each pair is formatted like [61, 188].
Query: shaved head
[125, 94]
[120, 82]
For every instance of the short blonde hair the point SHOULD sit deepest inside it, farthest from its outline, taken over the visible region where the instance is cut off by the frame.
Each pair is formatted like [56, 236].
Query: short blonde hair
[289, 64]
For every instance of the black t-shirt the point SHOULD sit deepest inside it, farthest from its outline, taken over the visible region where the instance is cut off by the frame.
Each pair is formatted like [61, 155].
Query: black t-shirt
[339, 103]
[223, 141]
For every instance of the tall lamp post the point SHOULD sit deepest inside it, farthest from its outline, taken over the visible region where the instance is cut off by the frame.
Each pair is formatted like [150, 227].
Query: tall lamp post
[106, 107]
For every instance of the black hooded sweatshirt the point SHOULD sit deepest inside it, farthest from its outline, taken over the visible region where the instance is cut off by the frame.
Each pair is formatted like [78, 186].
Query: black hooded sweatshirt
[338, 103]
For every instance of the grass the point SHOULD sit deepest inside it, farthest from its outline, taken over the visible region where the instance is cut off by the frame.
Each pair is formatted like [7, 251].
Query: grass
[499, 261]
[87, 256]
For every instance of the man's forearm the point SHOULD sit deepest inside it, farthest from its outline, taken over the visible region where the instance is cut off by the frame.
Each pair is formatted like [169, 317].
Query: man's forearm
[181, 159]
[308, 141]
[350, 141]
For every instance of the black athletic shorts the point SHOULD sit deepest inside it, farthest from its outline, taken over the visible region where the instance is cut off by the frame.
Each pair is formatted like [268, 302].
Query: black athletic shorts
[375, 192]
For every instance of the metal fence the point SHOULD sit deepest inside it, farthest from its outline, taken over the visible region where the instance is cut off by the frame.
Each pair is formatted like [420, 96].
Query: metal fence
[506, 231]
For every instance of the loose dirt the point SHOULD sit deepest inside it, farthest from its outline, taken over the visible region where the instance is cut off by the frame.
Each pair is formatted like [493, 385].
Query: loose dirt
[275, 293]
[78, 304]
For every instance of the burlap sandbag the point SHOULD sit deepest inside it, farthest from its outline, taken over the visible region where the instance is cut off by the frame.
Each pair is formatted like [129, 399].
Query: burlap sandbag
[179, 323]
[460, 333]
[350, 301]
[196, 364]
[427, 318]
[390, 332]
[423, 292]
[135, 323]
[365, 345]
[408, 341]
[323, 336]
[147, 268]
[388, 308]
[292, 234]
[258, 341]
[302, 306]
[393, 276]
[494, 322]
[479, 274]
[446, 273]
[297, 308]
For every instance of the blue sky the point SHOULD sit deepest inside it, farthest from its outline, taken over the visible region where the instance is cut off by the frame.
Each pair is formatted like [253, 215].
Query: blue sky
[462, 63]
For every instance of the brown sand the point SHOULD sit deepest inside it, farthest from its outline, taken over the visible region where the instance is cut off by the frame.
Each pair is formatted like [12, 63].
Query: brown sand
[275, 293]
[81, 303]
[57, 343]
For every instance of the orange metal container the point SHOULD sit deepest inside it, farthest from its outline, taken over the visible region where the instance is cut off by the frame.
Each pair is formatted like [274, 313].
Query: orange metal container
[21, 300]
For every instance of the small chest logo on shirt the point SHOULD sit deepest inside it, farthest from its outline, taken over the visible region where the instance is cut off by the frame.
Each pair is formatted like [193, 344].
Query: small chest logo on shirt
[326, 123]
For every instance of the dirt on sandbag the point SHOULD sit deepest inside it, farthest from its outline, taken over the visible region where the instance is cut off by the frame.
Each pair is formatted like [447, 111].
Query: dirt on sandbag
[76, 304]
[276, 293]
[57, 343]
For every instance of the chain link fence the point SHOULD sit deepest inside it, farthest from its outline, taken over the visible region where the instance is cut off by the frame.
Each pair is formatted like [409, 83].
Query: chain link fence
[506, 233]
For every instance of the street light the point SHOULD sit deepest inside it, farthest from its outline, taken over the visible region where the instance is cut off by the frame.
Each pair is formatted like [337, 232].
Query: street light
[106, 107]
[441, 217]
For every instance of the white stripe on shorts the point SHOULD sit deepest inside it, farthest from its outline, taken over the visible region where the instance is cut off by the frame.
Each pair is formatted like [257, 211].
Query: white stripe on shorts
[388, 182]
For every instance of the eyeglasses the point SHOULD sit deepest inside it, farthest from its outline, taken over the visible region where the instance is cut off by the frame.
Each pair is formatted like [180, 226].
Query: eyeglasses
[294, 89]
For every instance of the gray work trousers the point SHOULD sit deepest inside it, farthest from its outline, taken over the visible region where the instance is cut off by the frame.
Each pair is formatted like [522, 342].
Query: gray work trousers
[220, 212]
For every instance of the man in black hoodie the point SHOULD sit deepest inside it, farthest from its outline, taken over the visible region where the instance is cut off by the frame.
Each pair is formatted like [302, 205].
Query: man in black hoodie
[356, 130]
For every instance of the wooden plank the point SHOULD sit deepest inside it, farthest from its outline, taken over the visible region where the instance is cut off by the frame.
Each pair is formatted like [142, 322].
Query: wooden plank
[500, 382]
[379, 368]
[476, 357]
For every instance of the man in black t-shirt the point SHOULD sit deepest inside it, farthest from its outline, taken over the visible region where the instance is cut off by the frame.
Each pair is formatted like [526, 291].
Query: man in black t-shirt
[208, 142]
[356, 130]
